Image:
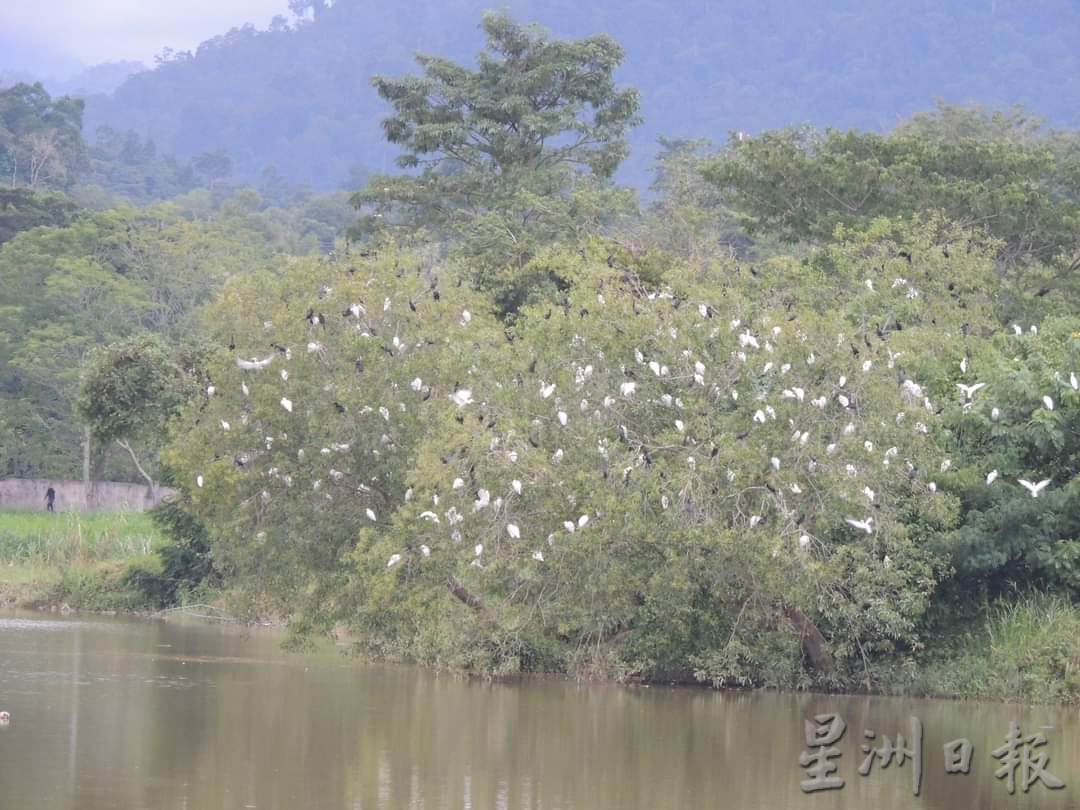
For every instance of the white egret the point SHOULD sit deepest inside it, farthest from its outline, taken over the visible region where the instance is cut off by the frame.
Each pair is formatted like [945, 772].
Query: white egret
[1035, 489]
[864, 525]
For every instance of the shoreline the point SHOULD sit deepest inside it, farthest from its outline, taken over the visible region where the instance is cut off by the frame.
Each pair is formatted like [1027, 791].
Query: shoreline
[46, 606]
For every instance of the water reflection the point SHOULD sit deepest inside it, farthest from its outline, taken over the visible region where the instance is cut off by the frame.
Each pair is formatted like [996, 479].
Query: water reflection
[170, 715]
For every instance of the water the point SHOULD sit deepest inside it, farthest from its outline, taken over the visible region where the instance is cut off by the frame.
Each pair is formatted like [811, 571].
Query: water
[127, 714]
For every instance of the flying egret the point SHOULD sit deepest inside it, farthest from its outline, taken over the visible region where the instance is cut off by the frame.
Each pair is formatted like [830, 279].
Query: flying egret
[861, 524]
[254, 365]
[969, 391]
[1035, 489]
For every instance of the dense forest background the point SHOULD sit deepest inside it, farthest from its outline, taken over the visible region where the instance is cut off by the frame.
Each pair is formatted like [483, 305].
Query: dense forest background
[292, 99]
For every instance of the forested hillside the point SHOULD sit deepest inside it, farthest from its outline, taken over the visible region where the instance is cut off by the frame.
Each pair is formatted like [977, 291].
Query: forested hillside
[296, 98]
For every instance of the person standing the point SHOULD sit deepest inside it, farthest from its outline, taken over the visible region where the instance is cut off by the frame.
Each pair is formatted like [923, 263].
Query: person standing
[50, 496]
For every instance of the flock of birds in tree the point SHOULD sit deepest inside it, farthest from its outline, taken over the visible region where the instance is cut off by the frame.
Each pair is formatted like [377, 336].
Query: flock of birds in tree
[751, 347]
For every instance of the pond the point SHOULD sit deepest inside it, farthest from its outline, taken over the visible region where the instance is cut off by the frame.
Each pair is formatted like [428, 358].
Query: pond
[122, 713]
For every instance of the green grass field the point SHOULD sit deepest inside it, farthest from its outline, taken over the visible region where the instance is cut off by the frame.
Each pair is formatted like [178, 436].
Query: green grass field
[71, 557]
[51, 539]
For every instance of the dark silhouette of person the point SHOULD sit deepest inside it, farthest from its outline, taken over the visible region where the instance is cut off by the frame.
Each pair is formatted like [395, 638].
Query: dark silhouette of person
[50, 496]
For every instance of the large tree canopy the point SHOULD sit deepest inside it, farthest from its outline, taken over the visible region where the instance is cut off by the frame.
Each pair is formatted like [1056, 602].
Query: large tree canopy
[511, 155]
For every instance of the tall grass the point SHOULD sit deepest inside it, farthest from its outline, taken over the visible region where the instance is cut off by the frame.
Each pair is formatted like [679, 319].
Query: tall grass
[1027, 648]
[55, 539]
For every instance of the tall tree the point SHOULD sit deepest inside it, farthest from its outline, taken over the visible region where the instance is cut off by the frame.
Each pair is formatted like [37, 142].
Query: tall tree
[41, 140]
[510, 156]
[130, 390]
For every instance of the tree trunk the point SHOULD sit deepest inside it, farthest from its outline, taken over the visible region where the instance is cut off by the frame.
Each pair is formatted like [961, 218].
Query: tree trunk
[86, 455]
[463, 595]
[813, 641]
[139, 467]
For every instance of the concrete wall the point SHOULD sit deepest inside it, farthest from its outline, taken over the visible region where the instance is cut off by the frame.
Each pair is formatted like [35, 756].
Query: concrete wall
[78, 496]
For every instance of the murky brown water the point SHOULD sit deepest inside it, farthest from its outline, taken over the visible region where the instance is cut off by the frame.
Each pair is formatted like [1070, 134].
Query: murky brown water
[128, 714]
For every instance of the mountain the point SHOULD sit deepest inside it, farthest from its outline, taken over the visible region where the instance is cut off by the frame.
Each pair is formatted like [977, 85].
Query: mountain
[295, 98]
[95, 80]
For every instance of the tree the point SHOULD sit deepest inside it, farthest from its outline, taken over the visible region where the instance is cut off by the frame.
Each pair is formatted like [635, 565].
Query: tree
[215, 165]
[995, 172]
[130, 389]
[22, 209]
[511, 156]
[651, 479]
[40, 137]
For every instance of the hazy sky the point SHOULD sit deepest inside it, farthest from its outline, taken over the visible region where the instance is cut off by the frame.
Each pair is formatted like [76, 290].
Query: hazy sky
[95, 31]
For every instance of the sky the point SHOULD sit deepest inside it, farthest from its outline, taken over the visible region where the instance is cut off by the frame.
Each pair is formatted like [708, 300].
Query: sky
[92, 31]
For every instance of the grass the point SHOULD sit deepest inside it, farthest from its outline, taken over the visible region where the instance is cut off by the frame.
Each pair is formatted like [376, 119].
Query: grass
[79, 560]
[54, 539]
[1026, 648]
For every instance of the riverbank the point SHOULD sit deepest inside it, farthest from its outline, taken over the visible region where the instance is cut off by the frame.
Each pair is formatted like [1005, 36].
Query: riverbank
[82, 561]
[1026, 649]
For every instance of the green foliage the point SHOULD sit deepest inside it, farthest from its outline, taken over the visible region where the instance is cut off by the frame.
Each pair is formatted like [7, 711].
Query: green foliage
[1006, 535]
[130, 389]
[652, 535]
[991, 171]
[1019, 648]
[513, 155]
[185, 561]
[104, 277]
[22, 209]
[41, 144]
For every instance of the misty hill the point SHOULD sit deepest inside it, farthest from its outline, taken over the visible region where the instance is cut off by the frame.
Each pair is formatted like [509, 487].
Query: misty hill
[296, 97]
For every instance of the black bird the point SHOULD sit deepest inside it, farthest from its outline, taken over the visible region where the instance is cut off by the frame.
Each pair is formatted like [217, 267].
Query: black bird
[905, 254]
[359, 364]
[232, 343]
[435, 294]
[339, 407]
[412, 306]
[279, 348]
[1042, 292]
